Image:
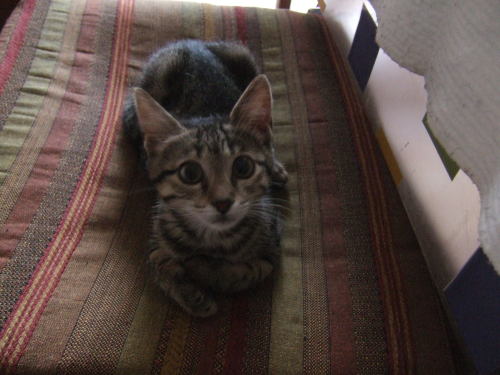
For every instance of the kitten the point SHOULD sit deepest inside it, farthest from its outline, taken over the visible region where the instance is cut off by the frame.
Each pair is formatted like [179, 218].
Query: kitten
[202, 120]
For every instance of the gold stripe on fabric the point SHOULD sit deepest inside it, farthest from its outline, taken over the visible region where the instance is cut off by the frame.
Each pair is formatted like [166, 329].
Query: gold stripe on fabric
[389, 157]
[192, 14]
[20, 170]
[20, 121]
[65, 306]
[38, 344]
[67, 236]
[316, 347]
[172, 362]
[118, 282]
[10, 328]
[210, 22]
[144, 332]
[389, 285]
[287, 334]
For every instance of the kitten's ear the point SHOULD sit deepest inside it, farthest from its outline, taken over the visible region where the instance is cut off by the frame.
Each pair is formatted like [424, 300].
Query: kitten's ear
[252, 111]
[154, 121]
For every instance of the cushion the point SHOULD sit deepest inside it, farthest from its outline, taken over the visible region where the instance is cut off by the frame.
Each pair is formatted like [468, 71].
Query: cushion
[352, 295]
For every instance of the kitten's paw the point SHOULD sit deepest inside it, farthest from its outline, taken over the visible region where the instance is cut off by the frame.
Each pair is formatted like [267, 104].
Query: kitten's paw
[243, 276]
[194, 301]
[202, 306]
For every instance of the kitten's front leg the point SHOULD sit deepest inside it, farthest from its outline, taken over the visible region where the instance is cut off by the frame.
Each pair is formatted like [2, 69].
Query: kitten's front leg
[176, 283]
[240, 276]
[227, 277]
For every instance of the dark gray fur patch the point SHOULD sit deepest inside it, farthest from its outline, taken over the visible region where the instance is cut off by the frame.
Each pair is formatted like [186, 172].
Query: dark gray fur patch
[193, 80]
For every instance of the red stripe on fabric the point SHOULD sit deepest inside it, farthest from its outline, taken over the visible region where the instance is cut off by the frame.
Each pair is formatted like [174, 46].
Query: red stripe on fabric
[237, 341]
[47, 162]
[241, 24]
[101, 163]
[161, 348]
[388, 266]
[388, 263]
[16, 43]
[211, 328]
[334, 255]
[227, 18]
[334, 251]
[109, 134]
[50, 154]
[385, 285]
[65, 118]
[401, 351]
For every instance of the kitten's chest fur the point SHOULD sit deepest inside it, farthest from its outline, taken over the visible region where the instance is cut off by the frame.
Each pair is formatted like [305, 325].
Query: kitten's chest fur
[249, 238]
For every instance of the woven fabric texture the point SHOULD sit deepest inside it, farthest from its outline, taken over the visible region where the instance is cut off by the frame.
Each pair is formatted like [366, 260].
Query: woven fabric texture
[76, 297]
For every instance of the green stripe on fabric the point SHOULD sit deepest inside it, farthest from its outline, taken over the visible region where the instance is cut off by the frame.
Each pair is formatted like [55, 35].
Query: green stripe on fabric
[44, 221]
[20, 121]
[450, 165]
[144, 333]
[287, 313]
[85, 264]
[316, 350]
[209, 15]
[192, 21]
[20, 170]
[172, 361]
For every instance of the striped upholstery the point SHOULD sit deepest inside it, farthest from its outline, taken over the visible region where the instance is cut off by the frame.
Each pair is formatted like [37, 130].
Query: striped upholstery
[353, 294]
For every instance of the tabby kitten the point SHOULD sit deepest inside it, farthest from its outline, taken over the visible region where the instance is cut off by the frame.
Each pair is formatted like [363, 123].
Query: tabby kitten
[202, 119]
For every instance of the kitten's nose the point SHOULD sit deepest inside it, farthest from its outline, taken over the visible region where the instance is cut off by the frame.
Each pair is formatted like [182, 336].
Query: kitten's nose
[223, 205]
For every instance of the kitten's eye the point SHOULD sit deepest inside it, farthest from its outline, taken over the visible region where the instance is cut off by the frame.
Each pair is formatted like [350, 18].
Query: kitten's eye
[190, 173]
[243, 167]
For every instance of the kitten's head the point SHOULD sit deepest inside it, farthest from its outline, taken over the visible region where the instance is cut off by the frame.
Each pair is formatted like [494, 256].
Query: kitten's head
[212, 172]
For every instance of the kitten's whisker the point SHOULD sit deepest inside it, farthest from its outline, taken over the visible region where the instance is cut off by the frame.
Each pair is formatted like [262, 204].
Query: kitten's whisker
[271, 206]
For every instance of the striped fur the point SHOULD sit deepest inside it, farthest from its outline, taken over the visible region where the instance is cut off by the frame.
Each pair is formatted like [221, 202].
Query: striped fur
[203, 118]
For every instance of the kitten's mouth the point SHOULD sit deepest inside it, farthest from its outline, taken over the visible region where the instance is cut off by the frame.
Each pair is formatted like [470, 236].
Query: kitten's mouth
[222, 219]
[223, 222]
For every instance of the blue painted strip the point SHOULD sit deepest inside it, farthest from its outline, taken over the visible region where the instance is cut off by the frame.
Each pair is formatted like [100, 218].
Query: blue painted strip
[474, 301]
[364, 50]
